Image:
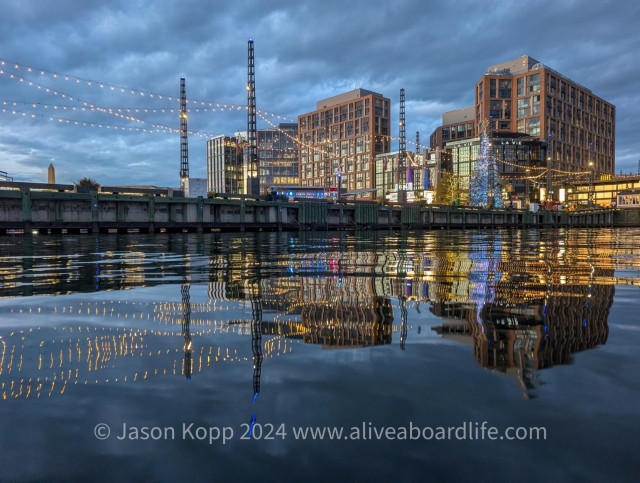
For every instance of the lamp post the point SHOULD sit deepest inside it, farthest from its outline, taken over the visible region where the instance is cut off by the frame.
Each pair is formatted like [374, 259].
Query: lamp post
[527, 199]
[339, 178]
[590, 196]
[549, 186]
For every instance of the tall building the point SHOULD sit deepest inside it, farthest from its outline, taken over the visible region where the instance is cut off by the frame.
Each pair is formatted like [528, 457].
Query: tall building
[278, 155]
[340, 139]
[225, 172]
[51, 174]
[525, 96]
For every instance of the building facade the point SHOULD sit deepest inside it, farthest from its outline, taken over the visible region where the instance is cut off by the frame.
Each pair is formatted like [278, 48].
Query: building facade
[340, 139]
[525, 96]
[420, 176]
[456, 125]
[603, 190]
[278, 156]
[225, 172]
[520, 161]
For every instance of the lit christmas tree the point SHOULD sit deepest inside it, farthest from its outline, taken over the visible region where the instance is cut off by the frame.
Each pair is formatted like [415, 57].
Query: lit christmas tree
[485, 187]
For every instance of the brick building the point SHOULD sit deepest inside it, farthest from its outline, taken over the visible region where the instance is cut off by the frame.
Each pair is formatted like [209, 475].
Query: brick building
[526, 96]
[343, 135]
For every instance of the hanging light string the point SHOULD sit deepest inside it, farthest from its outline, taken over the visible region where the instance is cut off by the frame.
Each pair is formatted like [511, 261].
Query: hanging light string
[15, 66]
[117, 111]
[155, 128]
[85, 104]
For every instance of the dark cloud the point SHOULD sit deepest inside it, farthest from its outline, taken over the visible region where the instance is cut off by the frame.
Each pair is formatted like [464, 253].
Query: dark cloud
[305, 51]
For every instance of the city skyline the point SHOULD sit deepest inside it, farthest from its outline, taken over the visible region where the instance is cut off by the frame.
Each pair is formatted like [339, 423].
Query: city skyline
[304, 53]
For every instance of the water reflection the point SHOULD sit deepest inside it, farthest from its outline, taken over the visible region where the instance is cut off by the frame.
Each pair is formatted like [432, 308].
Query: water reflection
[523, 300]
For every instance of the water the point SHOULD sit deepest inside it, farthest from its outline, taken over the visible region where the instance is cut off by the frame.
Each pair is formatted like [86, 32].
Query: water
[365, 332]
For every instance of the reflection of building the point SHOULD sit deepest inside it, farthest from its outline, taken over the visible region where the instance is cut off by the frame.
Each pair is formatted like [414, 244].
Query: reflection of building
[517, 339]
[341, 311]
[337, 324]
[343, 135]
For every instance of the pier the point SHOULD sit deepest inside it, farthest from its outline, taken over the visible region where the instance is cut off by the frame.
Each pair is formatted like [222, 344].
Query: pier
[30, 211]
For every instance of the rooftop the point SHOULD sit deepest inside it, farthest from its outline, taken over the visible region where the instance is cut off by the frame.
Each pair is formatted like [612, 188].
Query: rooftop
[345, 97]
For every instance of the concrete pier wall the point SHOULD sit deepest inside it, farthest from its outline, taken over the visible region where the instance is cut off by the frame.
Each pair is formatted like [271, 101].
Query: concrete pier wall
[56, 212]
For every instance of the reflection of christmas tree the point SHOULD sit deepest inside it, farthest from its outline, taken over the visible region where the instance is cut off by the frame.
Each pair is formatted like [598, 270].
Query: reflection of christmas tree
[485, 187]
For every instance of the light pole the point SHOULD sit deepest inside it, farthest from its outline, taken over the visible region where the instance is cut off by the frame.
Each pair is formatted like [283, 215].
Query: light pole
[339, 177]
[590, 196]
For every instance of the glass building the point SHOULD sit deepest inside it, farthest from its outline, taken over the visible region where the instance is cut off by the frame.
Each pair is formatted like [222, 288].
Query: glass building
[224, 165]
[519, 160]
[278, 156]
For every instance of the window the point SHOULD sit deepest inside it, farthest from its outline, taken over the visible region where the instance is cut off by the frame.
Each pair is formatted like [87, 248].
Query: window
[524, 108]
[349, 129]
[495, 109]
[359, 106]
[378, 104]
[492, 88]
[533, 79]
[505, 125]
[521, 87]
[536, 105]
[504, 88]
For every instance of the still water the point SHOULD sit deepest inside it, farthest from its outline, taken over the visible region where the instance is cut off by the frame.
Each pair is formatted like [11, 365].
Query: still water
[203, 357]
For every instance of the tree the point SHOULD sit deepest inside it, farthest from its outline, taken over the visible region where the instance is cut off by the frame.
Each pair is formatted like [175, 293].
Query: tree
[486, 185]
[87, 184]
[451, 187]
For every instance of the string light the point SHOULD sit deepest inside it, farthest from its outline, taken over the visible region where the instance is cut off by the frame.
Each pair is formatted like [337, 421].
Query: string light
[155, 128]
[137, 92]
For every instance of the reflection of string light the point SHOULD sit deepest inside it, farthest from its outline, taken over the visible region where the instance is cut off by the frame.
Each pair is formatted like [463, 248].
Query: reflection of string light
[102, 352]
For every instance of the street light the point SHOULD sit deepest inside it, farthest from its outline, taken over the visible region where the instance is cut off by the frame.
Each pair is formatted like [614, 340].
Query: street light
[549, 185]
[590, 196]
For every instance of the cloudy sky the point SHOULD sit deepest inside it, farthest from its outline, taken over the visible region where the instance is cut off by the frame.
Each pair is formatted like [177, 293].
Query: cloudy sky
[117, 65]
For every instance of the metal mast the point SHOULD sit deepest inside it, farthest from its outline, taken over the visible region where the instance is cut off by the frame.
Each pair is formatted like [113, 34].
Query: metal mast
[252, 180]
[184, 142]
[402, 155]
